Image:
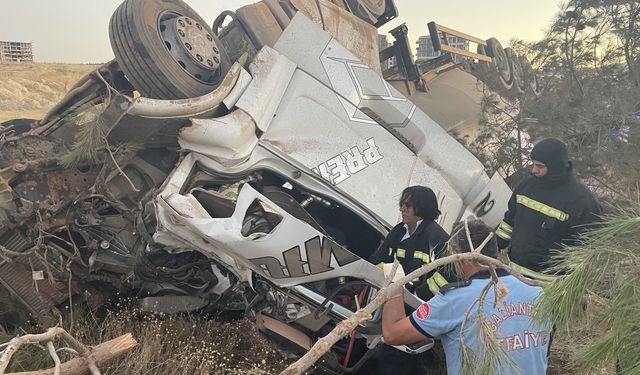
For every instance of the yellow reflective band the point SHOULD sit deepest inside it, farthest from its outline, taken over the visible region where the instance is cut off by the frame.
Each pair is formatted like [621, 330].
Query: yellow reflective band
[432, 286]
[505, 227]
[532, 274]
[400, 253]
[439, 279]
[424, 257]
[390, 251]
[542, 208]
[502, 234]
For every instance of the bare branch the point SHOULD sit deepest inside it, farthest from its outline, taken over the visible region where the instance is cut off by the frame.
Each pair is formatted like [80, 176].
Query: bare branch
[466, 231]
[54, 355]
[394, 269]
[89, 356]
[113, 159]
[483, 244]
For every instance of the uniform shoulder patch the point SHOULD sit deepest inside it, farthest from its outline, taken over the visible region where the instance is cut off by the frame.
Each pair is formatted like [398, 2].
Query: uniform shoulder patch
[451, 286]
[423, 311]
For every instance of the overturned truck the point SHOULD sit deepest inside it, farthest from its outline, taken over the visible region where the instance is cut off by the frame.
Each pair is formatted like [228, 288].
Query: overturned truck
[253, 165]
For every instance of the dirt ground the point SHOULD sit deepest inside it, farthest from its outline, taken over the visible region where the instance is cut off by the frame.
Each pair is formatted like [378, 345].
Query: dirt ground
[29, 90]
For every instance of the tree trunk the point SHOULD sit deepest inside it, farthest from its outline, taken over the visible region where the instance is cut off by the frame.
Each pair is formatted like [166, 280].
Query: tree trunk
[101, 354]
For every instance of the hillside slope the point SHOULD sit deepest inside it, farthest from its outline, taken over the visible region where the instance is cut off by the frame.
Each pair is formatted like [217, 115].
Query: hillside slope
[29, 90]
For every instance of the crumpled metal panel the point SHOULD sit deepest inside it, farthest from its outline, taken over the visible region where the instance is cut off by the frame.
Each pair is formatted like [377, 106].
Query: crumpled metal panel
[291, 253]
[266, 156]
[271, 73]
[228, 139]
[241, 85]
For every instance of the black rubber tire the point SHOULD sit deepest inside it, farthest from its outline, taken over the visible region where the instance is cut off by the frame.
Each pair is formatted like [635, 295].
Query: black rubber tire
[483, 67]
[500, 65]
[142, 55]
[520, 82]
[533, 82]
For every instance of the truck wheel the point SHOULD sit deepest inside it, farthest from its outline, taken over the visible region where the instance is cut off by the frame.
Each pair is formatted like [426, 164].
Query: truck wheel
[520, 82]
[166, 50]
[533, 84]
[500, 67]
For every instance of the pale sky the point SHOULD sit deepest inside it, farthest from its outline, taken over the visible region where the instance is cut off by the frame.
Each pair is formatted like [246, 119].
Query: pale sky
[76, 31]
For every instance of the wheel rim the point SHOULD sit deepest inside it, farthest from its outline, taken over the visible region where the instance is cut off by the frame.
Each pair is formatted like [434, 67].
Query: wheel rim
[192, 47]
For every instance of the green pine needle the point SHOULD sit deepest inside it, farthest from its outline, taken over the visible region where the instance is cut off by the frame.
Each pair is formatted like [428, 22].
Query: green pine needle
[600, 296]
[90, 139]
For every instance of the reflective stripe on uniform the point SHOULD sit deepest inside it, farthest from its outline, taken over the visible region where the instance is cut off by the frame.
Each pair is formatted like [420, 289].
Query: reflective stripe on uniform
[433, 287]
[436, 281]
[502, 234]
[439, 279]
[505, 226]
[504, 231]
[531, 273]
[542, 208]
[424, 257]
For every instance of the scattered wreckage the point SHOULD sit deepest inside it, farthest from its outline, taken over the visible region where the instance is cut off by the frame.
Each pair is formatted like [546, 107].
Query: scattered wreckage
[253, 165]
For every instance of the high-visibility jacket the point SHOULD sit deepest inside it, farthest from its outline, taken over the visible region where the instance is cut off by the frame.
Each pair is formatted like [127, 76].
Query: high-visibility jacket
[542, 218]
[427, 242]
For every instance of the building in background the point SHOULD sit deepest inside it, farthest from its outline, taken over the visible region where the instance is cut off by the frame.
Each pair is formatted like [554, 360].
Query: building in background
[425, 49]
[16, 51]
[382, 44]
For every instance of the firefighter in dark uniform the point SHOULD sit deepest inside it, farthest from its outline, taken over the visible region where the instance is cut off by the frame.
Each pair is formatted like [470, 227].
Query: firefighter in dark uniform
[547, 210]
[417, 240]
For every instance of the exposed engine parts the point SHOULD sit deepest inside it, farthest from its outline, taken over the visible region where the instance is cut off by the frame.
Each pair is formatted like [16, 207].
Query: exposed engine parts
[251, 166]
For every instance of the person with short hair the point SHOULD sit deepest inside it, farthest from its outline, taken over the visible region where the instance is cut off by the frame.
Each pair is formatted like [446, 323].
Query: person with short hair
[524, 341]
[547, 210]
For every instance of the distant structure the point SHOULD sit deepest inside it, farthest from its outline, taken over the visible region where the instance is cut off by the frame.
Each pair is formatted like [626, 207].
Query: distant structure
[382, 44]
[16, 51]
[425, 48]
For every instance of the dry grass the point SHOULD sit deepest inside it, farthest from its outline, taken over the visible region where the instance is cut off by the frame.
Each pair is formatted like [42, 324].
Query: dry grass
[29, 90]
[172, 345]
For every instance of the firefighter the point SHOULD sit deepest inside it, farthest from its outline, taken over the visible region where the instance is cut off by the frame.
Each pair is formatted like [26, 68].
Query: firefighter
[547, 210]
[417, 240]
[524, 340]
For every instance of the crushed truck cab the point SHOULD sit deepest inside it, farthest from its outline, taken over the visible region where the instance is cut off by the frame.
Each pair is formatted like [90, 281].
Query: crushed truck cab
[252, 166]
